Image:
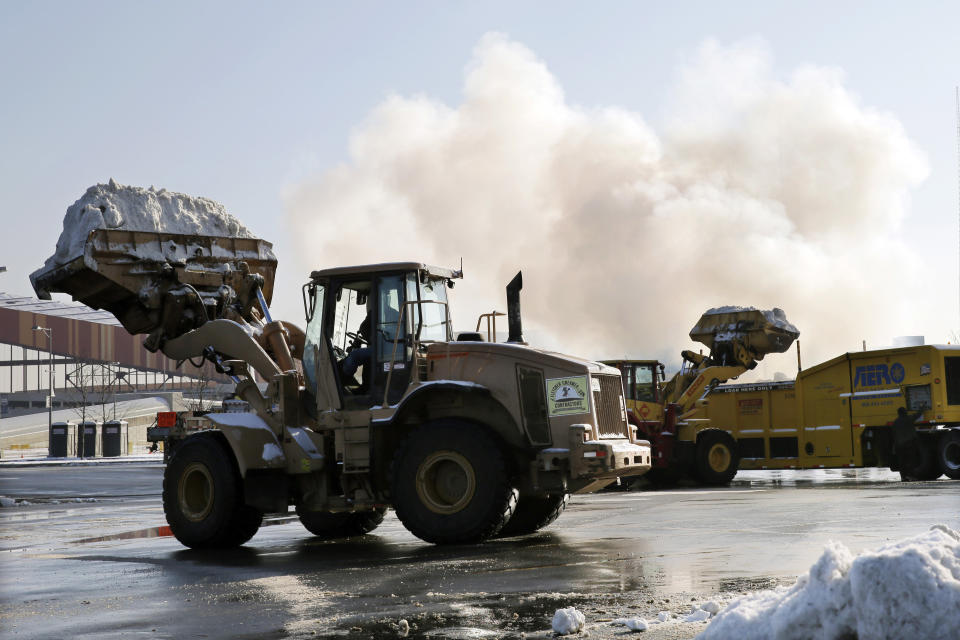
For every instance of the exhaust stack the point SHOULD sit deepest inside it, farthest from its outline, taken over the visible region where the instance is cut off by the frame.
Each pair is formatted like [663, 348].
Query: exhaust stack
[513, 309]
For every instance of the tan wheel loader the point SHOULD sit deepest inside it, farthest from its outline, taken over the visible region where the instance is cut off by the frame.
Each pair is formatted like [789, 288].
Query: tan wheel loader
[374, 404]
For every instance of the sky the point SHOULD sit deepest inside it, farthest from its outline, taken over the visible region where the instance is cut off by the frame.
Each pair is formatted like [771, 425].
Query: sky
[641, 162]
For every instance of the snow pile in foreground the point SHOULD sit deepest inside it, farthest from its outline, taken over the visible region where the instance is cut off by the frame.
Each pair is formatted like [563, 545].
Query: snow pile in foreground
[908, 589]
[116, 206]
[567, 621]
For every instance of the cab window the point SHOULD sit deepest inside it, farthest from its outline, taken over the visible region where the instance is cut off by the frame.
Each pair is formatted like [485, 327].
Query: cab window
[430, 317]
[644, 386]
[388, 327]
[349, 314]
[314, 326]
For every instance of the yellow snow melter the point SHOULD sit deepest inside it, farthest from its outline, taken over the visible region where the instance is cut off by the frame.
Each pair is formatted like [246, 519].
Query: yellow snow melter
[841, 413]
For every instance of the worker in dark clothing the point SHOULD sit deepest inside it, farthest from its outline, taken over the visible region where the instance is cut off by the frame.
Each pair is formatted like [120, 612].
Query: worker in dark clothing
[906, 442]
[359, 354]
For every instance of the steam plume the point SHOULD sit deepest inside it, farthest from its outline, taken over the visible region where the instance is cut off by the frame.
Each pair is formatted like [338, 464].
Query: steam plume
[759, 190]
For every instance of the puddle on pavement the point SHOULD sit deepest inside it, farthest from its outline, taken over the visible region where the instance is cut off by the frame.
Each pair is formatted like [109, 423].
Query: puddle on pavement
[508, 617]
[491, 617]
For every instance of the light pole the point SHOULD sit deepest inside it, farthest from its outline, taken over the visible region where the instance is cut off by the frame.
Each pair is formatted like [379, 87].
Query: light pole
[115, 376]
[48, 331]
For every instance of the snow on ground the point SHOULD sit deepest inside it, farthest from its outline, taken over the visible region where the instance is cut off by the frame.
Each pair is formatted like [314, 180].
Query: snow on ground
[567, 621]
[634, 624]
[116, 206]
[38, 458]
[907, 589]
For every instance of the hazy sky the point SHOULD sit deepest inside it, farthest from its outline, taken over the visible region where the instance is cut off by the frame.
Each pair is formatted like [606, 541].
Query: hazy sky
[243, 102]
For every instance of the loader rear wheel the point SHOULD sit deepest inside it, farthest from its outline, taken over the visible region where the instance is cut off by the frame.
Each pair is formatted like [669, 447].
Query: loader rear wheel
[716, 457]
[203, 499]
[331, 526]
[450, 483]
[533, 514]
[923, 463]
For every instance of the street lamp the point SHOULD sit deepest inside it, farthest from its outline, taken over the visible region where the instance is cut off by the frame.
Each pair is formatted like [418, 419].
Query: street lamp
[48, 331]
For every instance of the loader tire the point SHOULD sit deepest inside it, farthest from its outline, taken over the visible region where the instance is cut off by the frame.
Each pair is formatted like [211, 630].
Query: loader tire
[203, 498]
[246, 523]
[331, 526]
[948, 453]
[533, 514]
[716, 458]
[925, 464]
[450, 483]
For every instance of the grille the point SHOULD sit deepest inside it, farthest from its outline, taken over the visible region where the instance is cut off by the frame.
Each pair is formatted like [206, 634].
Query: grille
[610, 408]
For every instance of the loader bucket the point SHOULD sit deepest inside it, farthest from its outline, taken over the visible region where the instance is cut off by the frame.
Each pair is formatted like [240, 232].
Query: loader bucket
[134, 274]
[759, 332]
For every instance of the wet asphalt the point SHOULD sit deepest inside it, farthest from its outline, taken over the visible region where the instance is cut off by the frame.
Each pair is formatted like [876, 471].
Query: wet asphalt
[87, 558]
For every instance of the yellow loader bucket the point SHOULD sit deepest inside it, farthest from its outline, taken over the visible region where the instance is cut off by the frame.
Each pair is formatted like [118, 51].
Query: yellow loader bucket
[758, 332]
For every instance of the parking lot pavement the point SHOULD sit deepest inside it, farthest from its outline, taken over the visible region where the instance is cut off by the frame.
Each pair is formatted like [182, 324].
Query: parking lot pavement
[90, 556]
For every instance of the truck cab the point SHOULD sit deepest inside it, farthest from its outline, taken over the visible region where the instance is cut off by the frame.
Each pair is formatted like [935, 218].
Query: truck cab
[642, 386]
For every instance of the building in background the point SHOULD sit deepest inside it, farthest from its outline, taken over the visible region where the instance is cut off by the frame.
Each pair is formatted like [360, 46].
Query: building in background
[93, 359]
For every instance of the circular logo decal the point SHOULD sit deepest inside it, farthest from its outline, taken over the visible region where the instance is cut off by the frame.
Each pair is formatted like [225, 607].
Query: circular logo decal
[897, 372]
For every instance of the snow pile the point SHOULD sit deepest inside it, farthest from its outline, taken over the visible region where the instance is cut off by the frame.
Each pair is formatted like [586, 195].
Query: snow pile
[271, 452]
[908, 589]
[567, 621]
[774, 316]
[697, 615]
[634, 624]
[116, 206]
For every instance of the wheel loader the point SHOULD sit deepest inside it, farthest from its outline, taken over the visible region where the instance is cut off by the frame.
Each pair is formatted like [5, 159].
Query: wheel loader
[373, 404]
[668, 413]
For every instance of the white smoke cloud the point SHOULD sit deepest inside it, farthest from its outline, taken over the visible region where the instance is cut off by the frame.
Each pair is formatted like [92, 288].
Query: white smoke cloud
[759, 190]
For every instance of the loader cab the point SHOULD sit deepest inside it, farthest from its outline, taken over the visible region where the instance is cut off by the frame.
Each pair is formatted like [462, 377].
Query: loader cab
[370, 322]
[641, 379]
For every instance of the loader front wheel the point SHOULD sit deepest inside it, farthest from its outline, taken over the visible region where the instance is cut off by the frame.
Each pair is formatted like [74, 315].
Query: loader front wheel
[948, 452]
[533, 514]
[202, 497]
[716, 459]
[331, 526]
[450, 483]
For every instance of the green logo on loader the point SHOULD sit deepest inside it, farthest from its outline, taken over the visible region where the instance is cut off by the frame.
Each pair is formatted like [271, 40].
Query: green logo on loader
[568, 396]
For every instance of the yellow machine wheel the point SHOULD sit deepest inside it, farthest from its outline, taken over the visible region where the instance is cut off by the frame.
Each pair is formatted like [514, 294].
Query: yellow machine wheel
[716, 459]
